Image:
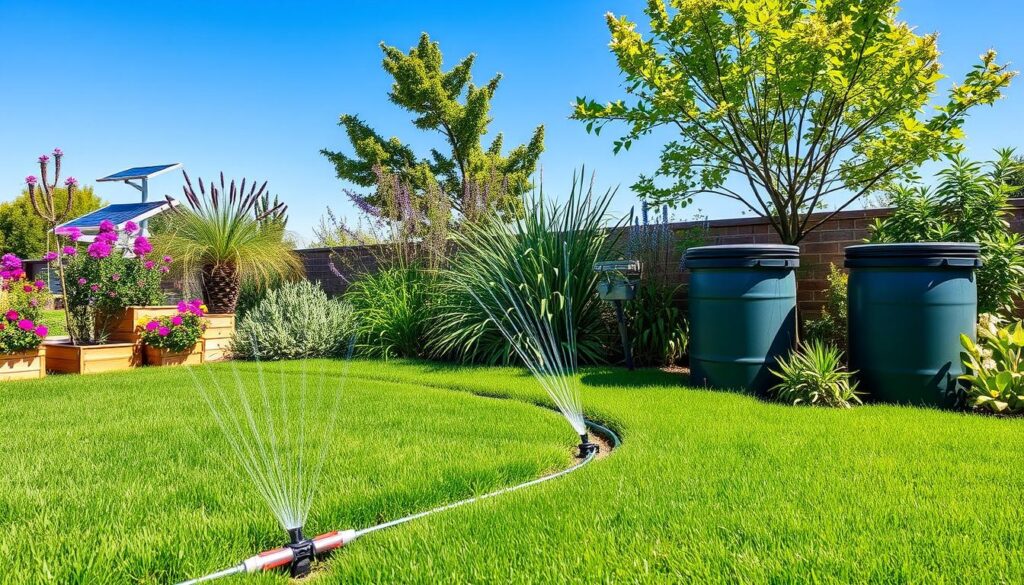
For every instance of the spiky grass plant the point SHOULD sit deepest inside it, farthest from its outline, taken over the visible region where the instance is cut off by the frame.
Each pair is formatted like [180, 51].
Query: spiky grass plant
[550, 236]
[815, 375]
[226, 236]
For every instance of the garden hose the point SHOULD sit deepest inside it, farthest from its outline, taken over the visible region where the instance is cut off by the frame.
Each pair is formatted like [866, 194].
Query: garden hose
[297, 555]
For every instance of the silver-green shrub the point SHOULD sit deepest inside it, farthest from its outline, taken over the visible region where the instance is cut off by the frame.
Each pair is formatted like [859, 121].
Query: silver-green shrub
[296, 320]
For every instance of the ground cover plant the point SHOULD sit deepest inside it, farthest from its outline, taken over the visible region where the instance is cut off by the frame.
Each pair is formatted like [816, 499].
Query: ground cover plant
[707, 486]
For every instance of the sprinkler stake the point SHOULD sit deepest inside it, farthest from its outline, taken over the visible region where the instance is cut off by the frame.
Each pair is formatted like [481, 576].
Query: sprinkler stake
[586, 447]
[302, 553]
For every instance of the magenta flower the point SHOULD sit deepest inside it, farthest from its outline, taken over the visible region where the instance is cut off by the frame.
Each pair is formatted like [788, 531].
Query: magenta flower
[182, 306]
[142, 246]
[163, 331]
[176, 320]
[69, 250]
[131, 227]
[12, 315]
[108, 237]
[70, 182]
[26, 325]
[115, 276]
[82, 280]
[152, 325]
[33, 302]
[39, 284]
[27, 288]
[58, 152]
[167, 259]
[106, 226]
[42, 330]
[112, 294]
[10, 262]
[164, 269]
[71, 233]
[50, 256]
[44, 158]
[150, 264]
[30, 180]
[94, 287]
[99, 249]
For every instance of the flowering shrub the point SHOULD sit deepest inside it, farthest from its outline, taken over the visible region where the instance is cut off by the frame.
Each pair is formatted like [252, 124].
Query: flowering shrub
[995, 366]
[21, 302]
[113, 272]
[176, 333]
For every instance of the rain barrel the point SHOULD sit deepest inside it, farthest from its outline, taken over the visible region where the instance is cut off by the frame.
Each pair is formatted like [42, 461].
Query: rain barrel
[742, 313]
[909, 303]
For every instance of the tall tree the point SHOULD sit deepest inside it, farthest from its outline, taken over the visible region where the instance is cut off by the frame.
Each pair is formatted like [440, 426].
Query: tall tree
[24, 233]
[449, 103]
[798, 99]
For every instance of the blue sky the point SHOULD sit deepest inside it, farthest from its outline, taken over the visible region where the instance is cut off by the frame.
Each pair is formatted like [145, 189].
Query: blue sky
[255, 88]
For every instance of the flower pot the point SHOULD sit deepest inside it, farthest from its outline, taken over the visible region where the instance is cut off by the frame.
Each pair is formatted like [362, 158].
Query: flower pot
[26, 365]
[156, 356]
[220, 332]
[89, 359]
[125, 327]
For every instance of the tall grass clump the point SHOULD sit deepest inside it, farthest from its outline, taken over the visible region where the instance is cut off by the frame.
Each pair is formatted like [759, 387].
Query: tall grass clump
[295, 320]
[394, 309]
[554, 245]
[815, 375]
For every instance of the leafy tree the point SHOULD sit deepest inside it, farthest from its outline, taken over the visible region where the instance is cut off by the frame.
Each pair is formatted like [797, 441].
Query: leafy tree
[799, 99]
[449, 103]
[23, 232]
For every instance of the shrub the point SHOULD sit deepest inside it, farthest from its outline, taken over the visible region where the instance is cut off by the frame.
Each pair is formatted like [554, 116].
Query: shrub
[830, 327]
[176, 333]
[815, 375]
[552, 248]
[393, 308]
[295, 320]
[995, 367]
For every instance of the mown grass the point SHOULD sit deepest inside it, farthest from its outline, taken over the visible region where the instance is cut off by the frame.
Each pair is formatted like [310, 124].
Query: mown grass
[55, 322]
[105, 483]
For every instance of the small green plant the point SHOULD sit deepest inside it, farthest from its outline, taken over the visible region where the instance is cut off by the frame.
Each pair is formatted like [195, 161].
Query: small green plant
[179, 332]
[995, 366]
[815, 375]
[394, 310]
[296, 320]
[830, 327]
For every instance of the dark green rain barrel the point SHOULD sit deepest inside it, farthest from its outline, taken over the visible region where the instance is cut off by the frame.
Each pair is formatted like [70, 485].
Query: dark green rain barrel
[742, 313]
[909, 303]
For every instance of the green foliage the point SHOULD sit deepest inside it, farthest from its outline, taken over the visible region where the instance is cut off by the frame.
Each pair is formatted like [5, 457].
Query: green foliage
[815, 375]
[830, 327]
[450, 104]
[798, 100]
[295, 320]
[994, 380]
[531, 253]
[968, 204]
[656, 325]
[23, 233]
[393, 311]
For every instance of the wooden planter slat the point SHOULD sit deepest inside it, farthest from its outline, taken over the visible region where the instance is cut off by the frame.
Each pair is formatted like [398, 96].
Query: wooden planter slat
[220, 331]
[27, 365]
[89, 359]
[125, 330]
[164, 357]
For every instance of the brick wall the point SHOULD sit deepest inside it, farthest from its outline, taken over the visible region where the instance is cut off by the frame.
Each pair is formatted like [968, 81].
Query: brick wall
[820, 248]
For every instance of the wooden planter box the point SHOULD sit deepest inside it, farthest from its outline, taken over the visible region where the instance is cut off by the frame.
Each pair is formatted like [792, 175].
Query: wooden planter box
[27, 365]
[220, 332]
[125, 327]
[89, 359]
[165, 357]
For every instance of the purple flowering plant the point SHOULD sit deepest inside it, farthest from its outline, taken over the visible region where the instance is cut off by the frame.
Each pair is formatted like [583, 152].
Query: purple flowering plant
[179, 332]
[21, 304]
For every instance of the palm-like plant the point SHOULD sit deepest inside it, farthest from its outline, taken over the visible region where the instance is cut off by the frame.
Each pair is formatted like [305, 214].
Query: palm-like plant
[226, 235]
[814, 374]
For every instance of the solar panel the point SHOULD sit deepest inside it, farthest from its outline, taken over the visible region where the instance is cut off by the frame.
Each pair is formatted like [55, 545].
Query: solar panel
[117, 213]
[140, 172]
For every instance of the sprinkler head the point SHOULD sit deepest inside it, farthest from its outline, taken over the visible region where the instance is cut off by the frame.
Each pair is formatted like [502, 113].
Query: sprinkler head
[302, 553]
[586, 447]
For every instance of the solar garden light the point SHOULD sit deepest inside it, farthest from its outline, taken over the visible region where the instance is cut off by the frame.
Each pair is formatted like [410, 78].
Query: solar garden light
[619, 281]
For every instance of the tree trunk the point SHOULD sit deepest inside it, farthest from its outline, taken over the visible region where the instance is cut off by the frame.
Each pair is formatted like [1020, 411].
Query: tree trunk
[221, 286]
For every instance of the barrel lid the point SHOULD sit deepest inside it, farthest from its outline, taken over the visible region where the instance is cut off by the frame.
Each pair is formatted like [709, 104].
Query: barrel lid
[743, 255]
[960, 254]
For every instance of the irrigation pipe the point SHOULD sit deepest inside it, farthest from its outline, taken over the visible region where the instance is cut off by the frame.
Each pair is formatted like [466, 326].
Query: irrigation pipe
[286, 555]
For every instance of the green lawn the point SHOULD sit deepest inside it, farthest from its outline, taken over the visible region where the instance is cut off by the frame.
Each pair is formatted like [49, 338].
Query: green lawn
[106, 482]
[55, 322]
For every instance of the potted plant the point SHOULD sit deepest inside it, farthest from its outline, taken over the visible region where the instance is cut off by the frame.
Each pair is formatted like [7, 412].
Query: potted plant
[175, 339]
[21, 333]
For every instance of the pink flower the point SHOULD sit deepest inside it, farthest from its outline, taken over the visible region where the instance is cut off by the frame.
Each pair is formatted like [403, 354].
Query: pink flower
[142, 246]
[106, 226]
[112, 294]
[94, 287]
[150, 264]
[58, 152]
[131, 227]
[27, 288]
[30, 180]
[163, 331]
[69, 232]
[3, 326]
[99, 249]
[50, 256]
[176, 320]
[40, 284]
[182, 306]
[42, 330]
[82, 280]
[69, 250]
[70, 182]
[33, 302]
[12, 315]
[164, 269]
[108, 237]
[44, 158]
[115, 277]
[152, 325]
[10, 262]
[26, 325]
[167, 259]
